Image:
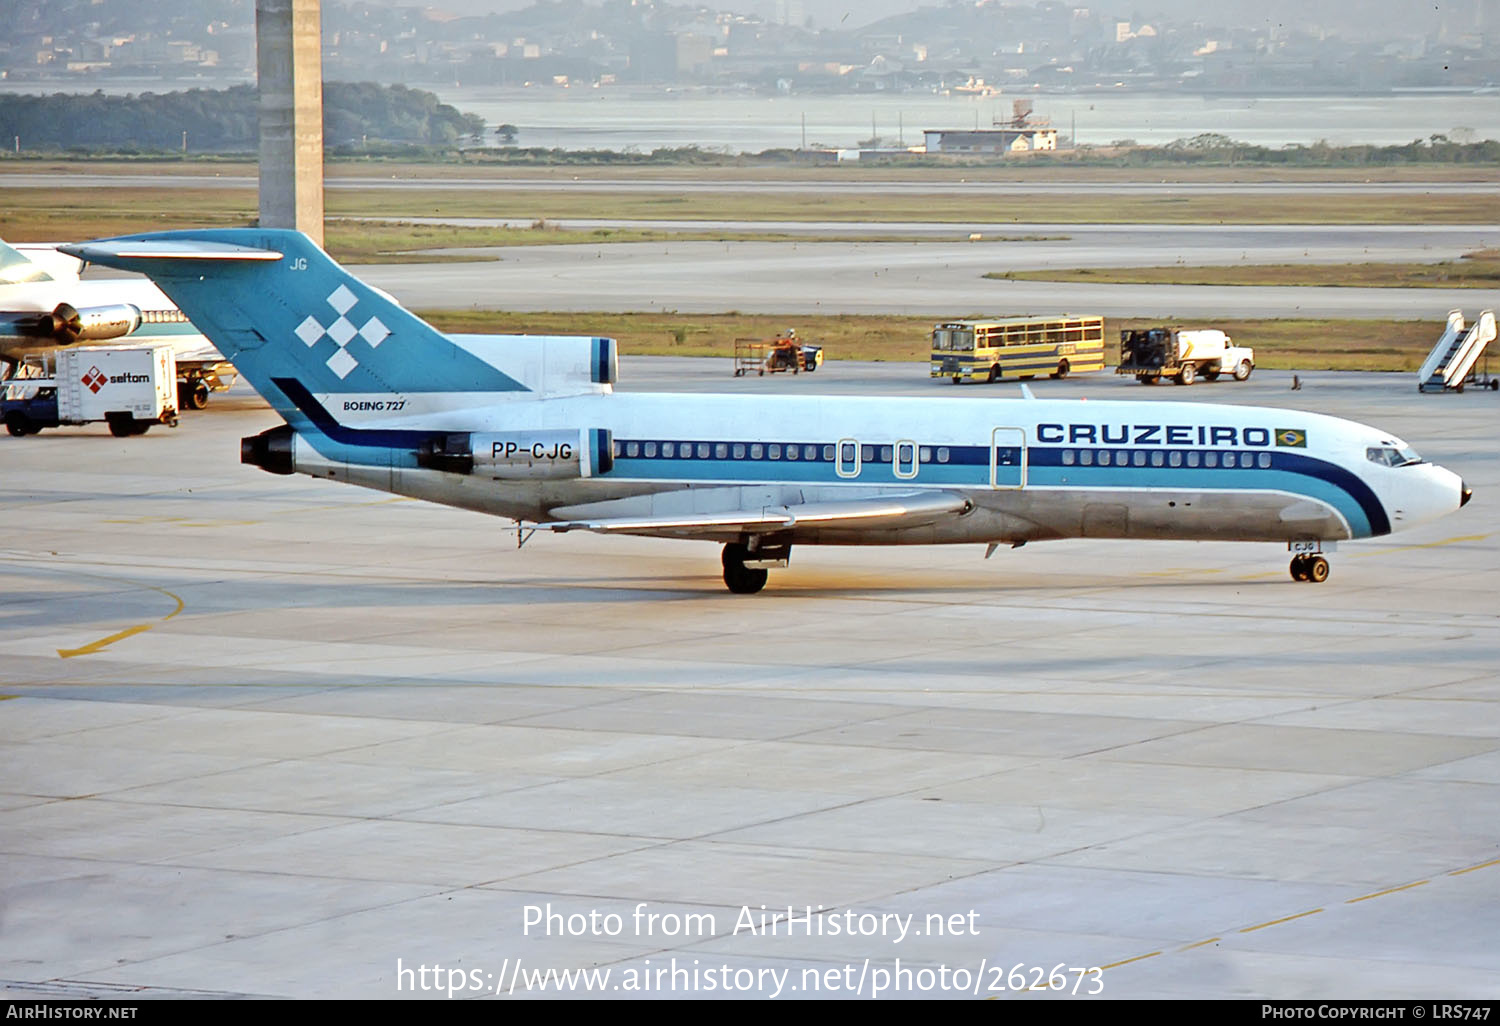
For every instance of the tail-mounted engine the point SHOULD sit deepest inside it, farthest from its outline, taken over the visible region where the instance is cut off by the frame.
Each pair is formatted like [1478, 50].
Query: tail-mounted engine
[522, 455]
[270, 450]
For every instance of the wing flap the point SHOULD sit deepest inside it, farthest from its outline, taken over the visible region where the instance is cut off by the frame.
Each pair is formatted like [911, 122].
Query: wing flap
[908, 510]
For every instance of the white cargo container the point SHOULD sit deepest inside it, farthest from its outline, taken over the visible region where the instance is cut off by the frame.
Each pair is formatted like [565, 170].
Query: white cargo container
[127, 387]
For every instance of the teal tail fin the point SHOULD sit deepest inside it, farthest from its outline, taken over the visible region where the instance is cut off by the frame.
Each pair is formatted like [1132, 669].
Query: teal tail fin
[285, 314]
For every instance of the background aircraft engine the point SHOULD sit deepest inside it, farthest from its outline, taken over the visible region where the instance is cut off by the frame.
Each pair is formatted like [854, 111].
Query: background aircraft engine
[68, 324]
[522, 455]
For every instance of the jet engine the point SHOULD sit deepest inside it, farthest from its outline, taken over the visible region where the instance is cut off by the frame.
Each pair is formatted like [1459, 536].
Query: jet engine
[522, 455]
[68, 324]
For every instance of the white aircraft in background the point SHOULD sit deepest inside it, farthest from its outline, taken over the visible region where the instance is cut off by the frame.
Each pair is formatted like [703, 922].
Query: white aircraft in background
[529, 427]
[45, 305]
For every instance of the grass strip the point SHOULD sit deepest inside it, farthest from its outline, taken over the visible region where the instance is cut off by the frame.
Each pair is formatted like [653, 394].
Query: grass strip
[39, 214]
[1477, 270]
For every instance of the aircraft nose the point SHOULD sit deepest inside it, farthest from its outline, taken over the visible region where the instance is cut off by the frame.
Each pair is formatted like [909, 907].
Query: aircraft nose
[1465, 493]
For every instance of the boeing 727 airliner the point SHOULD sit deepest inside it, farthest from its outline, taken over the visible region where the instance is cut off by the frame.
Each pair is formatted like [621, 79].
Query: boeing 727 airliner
[529, 427]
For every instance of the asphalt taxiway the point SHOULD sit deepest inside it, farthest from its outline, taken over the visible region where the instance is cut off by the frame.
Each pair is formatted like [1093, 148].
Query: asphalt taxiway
[271, 736]
[941, 279]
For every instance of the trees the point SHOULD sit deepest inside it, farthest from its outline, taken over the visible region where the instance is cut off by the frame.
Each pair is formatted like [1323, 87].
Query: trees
[226, 120]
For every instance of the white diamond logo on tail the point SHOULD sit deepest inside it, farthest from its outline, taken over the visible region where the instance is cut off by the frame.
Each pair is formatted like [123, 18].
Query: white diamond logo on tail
[374, 332]
[341, 363]
[341, 299]
[309, 331]
[342, 332]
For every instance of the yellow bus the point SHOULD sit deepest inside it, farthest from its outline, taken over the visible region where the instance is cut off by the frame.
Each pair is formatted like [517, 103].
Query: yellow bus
[1017, 347]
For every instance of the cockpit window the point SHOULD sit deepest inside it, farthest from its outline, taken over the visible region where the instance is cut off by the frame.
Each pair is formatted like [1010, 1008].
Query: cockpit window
[1392, 456]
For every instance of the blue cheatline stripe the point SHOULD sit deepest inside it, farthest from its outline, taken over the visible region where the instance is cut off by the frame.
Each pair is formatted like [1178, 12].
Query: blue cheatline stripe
[377, 438]
[968, 466]
[1365, 514]
[601, 362]
[1341, 479]
[601, 454]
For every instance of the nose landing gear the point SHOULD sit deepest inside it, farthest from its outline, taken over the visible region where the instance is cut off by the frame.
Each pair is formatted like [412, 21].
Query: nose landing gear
[1310, 568]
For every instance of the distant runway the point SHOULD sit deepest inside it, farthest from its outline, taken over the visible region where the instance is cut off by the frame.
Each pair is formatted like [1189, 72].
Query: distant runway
[941, 278]
[590, 181]
[1122, 243]
[271, 736]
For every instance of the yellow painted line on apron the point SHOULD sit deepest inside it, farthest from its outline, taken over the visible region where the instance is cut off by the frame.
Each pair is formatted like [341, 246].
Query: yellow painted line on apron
[1284, 919]
[1458, 540]
[1388, 890]
[1301, 915]
[1470, 869]
[103, 643]
[1137, 958]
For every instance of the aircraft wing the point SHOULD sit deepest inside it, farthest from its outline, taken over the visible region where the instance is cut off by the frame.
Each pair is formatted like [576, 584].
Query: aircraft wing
[914, 509]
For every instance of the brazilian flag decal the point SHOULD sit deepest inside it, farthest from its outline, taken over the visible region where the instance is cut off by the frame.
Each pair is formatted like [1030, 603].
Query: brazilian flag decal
[1291, 438]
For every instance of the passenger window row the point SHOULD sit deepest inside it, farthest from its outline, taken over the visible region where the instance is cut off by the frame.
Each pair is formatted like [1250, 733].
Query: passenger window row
[1163, 458]
[773, 451]
[901, 454]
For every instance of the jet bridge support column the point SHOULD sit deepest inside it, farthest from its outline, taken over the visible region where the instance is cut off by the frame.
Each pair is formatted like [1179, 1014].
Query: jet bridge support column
[289, 65]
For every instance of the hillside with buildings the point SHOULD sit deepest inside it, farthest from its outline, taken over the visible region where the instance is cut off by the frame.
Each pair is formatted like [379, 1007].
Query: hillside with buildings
[777, 47]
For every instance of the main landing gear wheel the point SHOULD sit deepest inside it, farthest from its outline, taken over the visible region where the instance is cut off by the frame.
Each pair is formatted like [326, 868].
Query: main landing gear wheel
[193, 395]
[739, 578]
[1310, 568]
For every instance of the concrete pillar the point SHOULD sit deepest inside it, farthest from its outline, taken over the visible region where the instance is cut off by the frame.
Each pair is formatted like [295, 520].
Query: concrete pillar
[289, 64]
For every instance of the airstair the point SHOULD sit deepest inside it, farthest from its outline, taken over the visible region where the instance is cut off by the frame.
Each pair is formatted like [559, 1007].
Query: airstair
[1452, 360]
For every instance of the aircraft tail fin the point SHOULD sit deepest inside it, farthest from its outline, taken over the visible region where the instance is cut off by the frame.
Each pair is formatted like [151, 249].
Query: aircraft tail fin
[16, 268]
[283, 311]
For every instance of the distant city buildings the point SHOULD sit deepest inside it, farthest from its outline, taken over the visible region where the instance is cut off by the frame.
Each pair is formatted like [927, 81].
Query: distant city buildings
[976, 48]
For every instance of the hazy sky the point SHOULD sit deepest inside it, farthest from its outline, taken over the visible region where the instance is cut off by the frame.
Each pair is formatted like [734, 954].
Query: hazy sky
[1395, 16]
[825, 13]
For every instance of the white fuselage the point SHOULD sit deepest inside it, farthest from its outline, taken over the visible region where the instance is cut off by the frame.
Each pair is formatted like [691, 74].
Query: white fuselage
[1034, 469]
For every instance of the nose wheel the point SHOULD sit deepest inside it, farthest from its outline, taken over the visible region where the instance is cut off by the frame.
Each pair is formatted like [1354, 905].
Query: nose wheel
[1310, 568]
